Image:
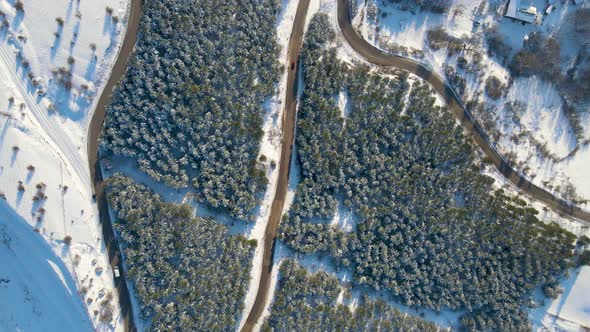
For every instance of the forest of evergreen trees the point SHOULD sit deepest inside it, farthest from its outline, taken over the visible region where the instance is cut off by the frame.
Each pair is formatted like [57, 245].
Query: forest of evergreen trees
[309, 302]
[432, 230]
[189, 109]
[188, 273]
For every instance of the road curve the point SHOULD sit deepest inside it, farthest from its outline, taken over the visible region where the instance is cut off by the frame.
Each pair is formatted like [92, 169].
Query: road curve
[94, 131]
[380, 58]
[276, 211]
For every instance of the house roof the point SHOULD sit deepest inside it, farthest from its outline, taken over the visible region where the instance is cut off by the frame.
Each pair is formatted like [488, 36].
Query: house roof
[523, 13]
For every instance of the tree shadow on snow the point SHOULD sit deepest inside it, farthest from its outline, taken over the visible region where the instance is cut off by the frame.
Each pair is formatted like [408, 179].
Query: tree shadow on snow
[3, 132]
[18, 19]
[56, 42]
[91, 68]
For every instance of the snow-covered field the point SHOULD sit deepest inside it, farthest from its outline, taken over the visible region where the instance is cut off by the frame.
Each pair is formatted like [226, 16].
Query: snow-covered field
[573, 304]
[55, 57]
[541, 124]
[37, 292]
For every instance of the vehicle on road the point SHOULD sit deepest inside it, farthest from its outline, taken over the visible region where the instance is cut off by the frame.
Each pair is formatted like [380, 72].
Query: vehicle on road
[116, 271]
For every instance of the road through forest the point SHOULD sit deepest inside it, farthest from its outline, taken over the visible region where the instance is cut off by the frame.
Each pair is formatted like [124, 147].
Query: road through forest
[94, 131]
[380, 58]
[276, 211]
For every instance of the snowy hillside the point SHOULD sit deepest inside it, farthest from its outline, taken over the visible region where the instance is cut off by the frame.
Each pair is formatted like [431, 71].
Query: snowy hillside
[36, 291]
[55, 56]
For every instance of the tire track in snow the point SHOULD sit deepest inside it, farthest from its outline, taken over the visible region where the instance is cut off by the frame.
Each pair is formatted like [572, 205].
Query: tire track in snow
[66, 151]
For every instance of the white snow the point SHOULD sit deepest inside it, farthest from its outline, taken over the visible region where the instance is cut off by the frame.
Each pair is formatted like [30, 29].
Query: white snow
[344, 104]
[573, 304]
[344, 218]
[571, 310]
[542, 114]
[37, 292]
[50, 133]
[578, 170]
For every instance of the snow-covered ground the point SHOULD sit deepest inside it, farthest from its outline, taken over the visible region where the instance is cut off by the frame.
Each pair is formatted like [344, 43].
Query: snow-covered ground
[37, 292]
[55, 57]
[541, 124]
[573, 304]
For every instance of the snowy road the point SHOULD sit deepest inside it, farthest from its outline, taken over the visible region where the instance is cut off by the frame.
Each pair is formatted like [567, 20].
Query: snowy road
[289, 117]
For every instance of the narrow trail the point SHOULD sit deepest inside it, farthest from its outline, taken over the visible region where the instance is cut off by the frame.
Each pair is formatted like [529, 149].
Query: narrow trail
[289, 113]
[380, 58]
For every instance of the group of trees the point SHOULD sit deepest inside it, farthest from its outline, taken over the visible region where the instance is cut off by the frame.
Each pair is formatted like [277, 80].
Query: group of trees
[540, 56]
[577, 83]
[439, 38]
[309, 302]
[497, 45]
[432, 230]
[188, 273]
[436, 6]
[189, 109]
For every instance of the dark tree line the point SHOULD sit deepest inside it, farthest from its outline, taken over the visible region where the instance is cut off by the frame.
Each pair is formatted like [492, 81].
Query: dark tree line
[188, 273]
[309, 302]
[433, 231]
[189, 108]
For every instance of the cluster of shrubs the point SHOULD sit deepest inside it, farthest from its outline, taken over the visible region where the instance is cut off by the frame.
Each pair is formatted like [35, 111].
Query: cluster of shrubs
[435, 6]
[438, 38]
[189, 109]
[456, 79]
[432, 230]
[188, 273]
[494, 88]
[309, 302]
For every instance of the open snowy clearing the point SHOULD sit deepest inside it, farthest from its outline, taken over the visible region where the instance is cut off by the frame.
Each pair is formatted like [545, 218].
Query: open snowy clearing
[54, 60]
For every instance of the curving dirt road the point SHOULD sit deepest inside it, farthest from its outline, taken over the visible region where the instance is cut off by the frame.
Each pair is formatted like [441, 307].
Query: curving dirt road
[94, 131]
[378, 57]
[295, 41]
